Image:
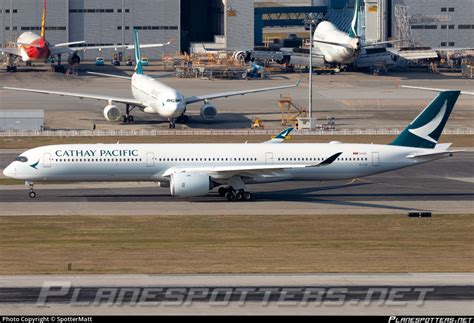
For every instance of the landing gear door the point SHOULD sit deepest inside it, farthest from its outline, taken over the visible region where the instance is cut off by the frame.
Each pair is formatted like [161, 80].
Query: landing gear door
[47, 160]
[150, 159]
[268, 158]
[375, 159]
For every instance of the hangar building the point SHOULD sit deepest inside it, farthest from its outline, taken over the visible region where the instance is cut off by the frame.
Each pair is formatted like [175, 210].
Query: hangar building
[109, 22]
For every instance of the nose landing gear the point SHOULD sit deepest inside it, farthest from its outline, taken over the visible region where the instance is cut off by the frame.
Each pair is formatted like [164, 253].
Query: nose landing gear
[32, 193]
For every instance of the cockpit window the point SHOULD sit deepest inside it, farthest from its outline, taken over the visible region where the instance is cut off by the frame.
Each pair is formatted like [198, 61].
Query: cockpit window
[21, 159]
[174, 100]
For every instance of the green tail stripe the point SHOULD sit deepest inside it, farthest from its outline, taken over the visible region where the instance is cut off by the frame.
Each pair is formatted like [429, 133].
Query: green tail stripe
[138, 54]
[424, 131]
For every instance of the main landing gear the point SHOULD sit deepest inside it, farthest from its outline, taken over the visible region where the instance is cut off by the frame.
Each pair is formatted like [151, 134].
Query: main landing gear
[232, 195]
[128, 118]
[32, 193]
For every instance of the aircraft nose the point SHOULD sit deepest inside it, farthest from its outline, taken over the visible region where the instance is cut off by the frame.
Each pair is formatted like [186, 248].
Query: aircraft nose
[9, 171]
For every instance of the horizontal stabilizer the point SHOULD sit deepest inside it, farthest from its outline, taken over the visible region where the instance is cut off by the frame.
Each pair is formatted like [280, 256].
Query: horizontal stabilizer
[432, 89]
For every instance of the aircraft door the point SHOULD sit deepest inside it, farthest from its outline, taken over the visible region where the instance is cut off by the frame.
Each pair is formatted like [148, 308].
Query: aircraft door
[47, 160]
[150, 159]
[268, 158]
[375, 159]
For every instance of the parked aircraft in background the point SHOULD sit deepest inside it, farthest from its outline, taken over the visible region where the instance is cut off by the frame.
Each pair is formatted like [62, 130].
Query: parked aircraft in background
[33, 48]
[153, 97]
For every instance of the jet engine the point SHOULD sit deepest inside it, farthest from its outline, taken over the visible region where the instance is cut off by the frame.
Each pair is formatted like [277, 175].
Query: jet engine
[112, 113]
[190, 184]
[208, 112]
[74, 59]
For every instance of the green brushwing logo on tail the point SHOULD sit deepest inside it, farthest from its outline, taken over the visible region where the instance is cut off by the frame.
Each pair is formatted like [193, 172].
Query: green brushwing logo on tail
[138, 54]
[424, 131]
[355, 18]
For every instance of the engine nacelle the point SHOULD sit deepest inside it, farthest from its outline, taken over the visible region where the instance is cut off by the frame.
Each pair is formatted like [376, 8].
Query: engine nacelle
[190, 184]
[208, 112]
[112, 113]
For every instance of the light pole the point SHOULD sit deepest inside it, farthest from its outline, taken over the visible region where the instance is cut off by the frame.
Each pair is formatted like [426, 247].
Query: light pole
[311, 21]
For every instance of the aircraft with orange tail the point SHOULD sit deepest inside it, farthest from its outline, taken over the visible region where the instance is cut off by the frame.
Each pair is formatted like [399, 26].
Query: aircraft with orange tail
[33, 48]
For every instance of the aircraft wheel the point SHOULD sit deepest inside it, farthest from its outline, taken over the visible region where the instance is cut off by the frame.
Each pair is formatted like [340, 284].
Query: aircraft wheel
[230, 196]
[130, 119]
[247, 196]
[32, 194]
[222, 190]
[239, 196]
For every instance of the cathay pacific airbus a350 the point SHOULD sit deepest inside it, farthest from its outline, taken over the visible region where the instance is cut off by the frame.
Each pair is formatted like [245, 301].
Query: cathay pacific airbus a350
[195, 169]
[152, 96]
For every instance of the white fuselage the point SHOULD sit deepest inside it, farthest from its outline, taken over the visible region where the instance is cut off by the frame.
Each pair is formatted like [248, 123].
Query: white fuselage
[158, 97]
[334, 54]
[150, 162]
[33, 53]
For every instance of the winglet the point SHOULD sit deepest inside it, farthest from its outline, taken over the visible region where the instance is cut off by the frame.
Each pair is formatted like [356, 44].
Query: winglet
[328, 161]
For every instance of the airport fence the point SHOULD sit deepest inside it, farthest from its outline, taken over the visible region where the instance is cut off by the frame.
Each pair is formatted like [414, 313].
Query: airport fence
[217, 132]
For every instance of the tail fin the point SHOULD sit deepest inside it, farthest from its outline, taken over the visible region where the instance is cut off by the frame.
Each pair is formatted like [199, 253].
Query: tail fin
[355, 18]
[138, 54]
[43, 21]
[424, 131]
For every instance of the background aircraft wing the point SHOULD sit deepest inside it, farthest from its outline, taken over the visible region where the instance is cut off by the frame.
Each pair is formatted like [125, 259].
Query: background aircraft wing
[198, 98]
[251, 170]
[12, 51]
[432, 89]
[117, 47]
[80, 95]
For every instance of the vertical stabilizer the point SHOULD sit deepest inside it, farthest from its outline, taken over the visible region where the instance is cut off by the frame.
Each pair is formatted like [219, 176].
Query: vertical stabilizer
[424, 131]
[43, 21]
[138, 54]
[355, 19]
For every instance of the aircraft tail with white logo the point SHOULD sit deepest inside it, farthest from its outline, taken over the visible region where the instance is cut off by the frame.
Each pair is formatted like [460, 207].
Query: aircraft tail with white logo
[424, 131]
[138, 54]
[355, 18]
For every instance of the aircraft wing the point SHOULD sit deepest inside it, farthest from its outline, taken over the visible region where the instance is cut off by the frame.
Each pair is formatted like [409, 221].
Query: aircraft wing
[246, 171]
[117, 47]
[80, 95]
[199, 98]
[12, 51]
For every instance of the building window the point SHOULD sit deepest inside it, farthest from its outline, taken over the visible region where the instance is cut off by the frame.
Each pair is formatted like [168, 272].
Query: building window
[417, 27]
[7, 10]
[444, 9]
[15, 10]
[127, 27]
[464, 26]
[7, 28]
[431, 27]
[127, 10]
[451, 44]
[443, 44]
[119, 27]
[451, 26]
[451, 10]
[444, 26]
